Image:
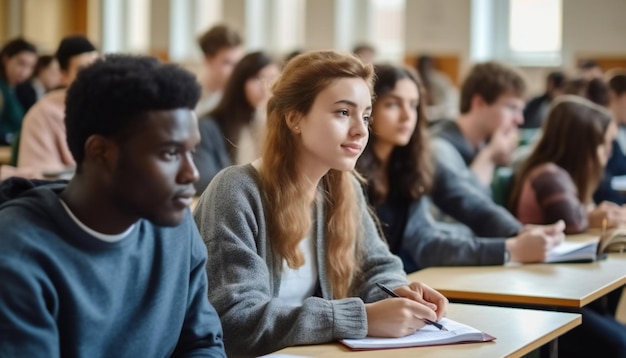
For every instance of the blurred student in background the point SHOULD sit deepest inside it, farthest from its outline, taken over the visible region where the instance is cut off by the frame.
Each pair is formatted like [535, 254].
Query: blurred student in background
[42, 143]
[365, 52]
[17, 61]
[46, 77]
[233, 132]
[441, 96]
[486, 134]
[222, 49]
[558, 179]
[400, 172]
[537, 107]
[616, 165]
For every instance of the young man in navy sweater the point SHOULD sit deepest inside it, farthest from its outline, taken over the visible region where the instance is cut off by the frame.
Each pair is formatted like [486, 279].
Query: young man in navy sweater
[111, 264]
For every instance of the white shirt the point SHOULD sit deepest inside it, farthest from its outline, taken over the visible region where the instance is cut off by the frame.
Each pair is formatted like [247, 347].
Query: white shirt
[97, 235]
[299, 284]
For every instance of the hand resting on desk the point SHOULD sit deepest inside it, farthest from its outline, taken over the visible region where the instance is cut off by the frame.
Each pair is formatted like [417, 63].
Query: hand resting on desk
[534, 242]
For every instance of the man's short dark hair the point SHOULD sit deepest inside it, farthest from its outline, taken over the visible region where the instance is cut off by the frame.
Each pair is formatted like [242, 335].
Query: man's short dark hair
[111, 94]
[617, 81]
[490, 80]
[217, 38]
[72, 46]
[588, 64]
[557, 79]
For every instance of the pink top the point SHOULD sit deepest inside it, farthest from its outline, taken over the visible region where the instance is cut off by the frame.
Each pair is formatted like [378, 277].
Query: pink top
[548, 195]
[43, 145]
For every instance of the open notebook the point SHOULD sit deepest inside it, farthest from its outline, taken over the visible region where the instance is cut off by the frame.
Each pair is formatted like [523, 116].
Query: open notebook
[569, 251]
[427, 336]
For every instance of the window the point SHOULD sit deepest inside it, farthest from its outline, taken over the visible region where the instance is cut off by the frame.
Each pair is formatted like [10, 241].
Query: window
[387, 28]
[521, 32]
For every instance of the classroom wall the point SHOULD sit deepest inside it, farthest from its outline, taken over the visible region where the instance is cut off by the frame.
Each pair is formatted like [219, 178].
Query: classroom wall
[440, 27]
[443, 27]
[593, 27]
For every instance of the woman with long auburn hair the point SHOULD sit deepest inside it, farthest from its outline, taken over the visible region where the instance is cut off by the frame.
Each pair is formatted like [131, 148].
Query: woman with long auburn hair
[294, 254]
[558, 179]
[400, 173]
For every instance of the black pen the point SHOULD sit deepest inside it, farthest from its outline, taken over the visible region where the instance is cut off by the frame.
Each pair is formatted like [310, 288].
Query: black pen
[393, 294]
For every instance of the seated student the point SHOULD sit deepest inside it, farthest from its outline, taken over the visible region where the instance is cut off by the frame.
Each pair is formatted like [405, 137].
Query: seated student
[234, 130]
[17, 60]
[292, 246]
[617, 162]
[399, 171]
[42, 145]
[441, 96]
[112, 264]
[365, 52]
[46, 77]
[537, 107]
[559, 177]
[485, 134]
[222, 48]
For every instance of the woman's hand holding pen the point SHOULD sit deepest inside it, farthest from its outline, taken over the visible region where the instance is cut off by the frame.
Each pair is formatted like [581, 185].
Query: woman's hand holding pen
[396, 317]
[401, 316]
[425, 295]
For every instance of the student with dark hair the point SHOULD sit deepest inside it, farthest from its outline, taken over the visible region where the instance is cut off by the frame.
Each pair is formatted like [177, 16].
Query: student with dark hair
[233, 132]
[556, 183]
[222, 48]
[589, 69]
[46, 77]
[400, 172]
[537, 108]
[111, 263]
[559, 177]
[42, 145]
[486, 133]
[292, 245]
[17, 60]
[616, 165]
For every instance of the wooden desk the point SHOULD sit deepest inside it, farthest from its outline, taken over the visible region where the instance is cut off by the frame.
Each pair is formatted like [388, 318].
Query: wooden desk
[518, 332]
[558, 285]
[5, 154]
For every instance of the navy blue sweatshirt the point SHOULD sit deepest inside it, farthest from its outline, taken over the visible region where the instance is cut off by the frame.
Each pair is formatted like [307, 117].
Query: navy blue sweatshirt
[66, 293]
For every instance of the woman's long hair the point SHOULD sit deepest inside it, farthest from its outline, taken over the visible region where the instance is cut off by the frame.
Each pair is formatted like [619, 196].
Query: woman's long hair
[573, 131]
[234, 111]
[410, 170]
[303, 78]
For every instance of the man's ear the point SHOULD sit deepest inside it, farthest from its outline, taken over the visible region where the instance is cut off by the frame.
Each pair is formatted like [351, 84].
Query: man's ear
[293, 119]
[101, 152]
[478, 102]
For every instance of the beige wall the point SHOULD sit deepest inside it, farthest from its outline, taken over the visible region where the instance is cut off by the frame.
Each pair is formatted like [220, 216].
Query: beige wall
[45, 22]
[593, 27]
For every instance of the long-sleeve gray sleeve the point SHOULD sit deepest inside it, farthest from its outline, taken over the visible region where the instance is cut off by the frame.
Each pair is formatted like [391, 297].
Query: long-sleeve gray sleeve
[471, 206]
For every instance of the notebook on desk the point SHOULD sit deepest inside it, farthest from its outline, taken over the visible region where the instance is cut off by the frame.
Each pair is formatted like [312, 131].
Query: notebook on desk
[588, 251]
[569, 251]
[427, 336]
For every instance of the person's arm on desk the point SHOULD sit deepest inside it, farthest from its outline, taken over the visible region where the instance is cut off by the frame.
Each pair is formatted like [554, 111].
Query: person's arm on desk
[534, 242]
[392, 317]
